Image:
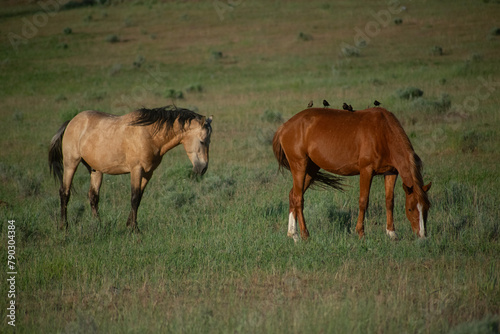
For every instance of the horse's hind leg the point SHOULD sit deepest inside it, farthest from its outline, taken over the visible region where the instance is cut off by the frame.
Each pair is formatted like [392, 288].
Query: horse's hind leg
[302, 178]
[95, 185]
[390, 182]
[65, 190]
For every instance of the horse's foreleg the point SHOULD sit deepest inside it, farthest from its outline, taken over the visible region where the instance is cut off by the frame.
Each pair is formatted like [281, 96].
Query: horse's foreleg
[139, 181]
[95, 185]
[135, 201]
[365, 181]
[390, 182]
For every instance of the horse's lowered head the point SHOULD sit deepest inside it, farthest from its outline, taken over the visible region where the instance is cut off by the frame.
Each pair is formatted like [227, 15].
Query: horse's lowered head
[417, 207]
[196, 142]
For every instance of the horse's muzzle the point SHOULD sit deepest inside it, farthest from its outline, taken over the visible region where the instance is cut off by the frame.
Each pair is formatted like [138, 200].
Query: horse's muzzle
[200, 169]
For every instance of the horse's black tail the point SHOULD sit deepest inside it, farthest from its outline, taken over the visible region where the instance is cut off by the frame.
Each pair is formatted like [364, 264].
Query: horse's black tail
[321, 179]
[55, 153]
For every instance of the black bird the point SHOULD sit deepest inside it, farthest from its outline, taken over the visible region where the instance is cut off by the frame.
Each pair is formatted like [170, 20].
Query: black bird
[325, 103]
[348, 107]
[310, 104]
[376, 103]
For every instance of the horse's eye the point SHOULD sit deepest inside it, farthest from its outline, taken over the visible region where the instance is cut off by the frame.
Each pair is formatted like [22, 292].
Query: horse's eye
[409, 210]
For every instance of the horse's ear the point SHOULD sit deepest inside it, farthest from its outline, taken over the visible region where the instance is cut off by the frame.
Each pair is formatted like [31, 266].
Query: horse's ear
[408, 190]
[209, 119]
[427, 187]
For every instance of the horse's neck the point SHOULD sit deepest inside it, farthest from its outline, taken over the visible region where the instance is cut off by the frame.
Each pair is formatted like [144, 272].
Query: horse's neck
[404, 164]
[167, 140]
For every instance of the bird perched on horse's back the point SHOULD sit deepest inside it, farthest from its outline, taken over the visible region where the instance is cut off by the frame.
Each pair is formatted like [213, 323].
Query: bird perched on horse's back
[347, 107]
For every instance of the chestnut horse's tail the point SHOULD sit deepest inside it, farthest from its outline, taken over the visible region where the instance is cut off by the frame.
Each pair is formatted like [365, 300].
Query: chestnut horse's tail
[321, 179]
[55, 153]
[278, 151]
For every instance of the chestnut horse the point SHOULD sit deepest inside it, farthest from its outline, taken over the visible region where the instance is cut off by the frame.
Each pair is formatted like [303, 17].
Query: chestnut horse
[133, 143]
[365, 143]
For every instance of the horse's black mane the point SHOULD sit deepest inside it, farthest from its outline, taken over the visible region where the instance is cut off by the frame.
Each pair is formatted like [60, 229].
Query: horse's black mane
[165, 117]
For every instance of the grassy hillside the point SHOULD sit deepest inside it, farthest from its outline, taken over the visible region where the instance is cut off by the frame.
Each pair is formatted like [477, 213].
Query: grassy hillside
[213, 255]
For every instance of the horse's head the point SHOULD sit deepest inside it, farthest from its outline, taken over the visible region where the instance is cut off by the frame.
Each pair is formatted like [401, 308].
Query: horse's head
[417, 206]
[196, 142]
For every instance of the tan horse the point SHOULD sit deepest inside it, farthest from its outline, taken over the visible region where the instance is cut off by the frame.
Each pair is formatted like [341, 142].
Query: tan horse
[133, 143]
[365, 143]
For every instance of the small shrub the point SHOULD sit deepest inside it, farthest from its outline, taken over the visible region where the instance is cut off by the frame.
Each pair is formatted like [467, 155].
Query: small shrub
[437, 50]
[376, 82]
[398, 21]
[196, 88]
[272, 116]
[115, 69]
[18, 116]
[469, 141]
[495, 31]
[216, 183]
[441, 105]
[128, 22]
[174, 94]
[216, 55]
[139, 61]
[95, 95]
[305, 37]
[361, 43]
[350, 51]
[409, 93]
[112, 39]
[60, 98]
[475, 57]
[68, 31]
[265, 136]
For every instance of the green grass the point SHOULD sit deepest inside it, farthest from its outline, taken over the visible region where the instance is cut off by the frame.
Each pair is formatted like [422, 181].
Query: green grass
[213, 256]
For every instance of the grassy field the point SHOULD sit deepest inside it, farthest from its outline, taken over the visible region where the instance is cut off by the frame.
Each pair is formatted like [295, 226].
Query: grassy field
[213, 256]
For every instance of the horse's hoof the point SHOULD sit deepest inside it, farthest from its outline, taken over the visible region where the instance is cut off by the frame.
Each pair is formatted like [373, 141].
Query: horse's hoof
[294, 236]
[392, 235]
[135, 230]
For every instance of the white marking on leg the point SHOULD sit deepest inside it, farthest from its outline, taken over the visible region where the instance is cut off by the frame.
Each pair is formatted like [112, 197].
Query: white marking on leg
[292, 227]
[392, 234]
[290, 224]
[421, 220]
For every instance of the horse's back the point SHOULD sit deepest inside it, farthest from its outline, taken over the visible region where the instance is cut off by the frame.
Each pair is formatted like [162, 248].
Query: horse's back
[332, 126]
[94, 118]
[337, 140]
